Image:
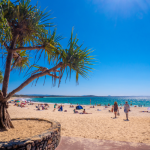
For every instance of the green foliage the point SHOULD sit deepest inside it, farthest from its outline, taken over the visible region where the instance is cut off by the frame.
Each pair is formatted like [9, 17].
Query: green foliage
[52, 46]
[25, 19]
[76, 58]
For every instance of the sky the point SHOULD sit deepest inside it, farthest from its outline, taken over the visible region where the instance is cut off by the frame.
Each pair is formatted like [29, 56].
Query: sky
[119, 33]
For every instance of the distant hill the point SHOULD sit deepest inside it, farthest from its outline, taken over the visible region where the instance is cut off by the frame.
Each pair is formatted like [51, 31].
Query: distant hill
[46, 95]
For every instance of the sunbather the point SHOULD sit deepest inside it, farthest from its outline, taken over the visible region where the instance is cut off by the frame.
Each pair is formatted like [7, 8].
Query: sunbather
[75, 111]
[84, 112]
[143, 111]
[92, 106]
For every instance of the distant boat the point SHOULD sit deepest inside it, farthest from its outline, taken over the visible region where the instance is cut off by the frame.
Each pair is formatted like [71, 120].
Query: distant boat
[109, 95]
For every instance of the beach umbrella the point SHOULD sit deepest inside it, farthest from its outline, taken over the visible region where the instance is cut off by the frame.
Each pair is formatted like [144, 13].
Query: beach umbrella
[148, 108]
[18, 101]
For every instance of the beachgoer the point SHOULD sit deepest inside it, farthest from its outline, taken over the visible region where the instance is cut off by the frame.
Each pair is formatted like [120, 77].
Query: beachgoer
[111, 109]
[92, 106]
[54, 107]
[71, 106]
[61, 108]
[38, 107]
[43, 107]
[75, 111]
[84, 112]
[115, 108]
[126, 109]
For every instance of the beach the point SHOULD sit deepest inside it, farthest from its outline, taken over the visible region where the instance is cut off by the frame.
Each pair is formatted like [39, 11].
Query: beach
[98, 125]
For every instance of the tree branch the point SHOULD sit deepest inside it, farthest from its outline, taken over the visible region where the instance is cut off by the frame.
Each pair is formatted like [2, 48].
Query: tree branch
[24, 48]
[56, 67]
[6, 46]
[47, 72]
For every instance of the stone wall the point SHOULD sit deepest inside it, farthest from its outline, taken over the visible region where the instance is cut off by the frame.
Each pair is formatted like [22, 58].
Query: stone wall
[48, 140]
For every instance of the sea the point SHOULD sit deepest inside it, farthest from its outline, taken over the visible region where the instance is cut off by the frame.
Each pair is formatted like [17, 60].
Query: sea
[103, 100]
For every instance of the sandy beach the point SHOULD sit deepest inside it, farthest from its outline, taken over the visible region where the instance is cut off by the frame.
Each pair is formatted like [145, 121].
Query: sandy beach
[98, 125]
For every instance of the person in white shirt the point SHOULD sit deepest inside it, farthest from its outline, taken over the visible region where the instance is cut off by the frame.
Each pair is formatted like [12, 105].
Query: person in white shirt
[126, 109]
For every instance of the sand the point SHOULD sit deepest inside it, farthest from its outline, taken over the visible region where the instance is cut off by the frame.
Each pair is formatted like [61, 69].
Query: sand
[19, 131]
[98, 125]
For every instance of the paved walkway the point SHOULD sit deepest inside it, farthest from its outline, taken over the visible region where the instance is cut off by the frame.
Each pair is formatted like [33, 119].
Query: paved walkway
[75, 143]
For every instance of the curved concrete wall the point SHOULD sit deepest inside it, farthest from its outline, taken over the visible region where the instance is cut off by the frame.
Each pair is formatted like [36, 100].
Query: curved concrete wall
[48, 140]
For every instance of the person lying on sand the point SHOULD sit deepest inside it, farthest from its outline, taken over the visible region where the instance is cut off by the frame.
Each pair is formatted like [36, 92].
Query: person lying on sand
[92, 106]
[143, 111]
[84, 112]
[75, 111]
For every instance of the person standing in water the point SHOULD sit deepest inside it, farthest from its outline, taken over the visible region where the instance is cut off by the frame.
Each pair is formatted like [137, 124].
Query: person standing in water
[126, 109]
[115, 108]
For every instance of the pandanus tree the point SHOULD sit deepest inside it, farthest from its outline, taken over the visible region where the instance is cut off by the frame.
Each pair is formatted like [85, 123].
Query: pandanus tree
[24, 30]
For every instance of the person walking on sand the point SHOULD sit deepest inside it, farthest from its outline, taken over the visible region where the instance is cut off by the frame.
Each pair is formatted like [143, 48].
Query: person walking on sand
[115, 108]
[126, 109]
[54, 107]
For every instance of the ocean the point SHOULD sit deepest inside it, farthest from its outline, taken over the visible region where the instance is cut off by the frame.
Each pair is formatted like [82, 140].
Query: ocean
[144, 101]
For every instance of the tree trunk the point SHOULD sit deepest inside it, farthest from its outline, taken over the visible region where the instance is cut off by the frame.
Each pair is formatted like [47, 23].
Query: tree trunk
[7, 73]
[5, 121]
[8, 66]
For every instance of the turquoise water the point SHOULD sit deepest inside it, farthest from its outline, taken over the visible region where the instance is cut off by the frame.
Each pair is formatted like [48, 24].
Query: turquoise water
[144, 101]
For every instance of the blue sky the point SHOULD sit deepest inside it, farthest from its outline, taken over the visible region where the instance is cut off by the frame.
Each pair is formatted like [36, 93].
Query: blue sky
[119, 33]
